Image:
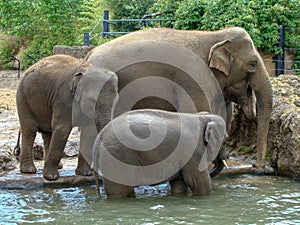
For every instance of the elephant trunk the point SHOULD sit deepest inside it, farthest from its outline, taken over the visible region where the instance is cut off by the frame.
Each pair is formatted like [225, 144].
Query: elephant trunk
[105, 103]
[261, 85]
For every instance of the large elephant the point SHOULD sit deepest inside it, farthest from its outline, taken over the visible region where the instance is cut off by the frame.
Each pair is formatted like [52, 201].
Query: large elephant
[150, 146]
[229, 54]
[55, 94]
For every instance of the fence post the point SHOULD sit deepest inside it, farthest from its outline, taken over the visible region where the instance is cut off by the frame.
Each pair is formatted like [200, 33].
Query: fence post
[105, 24]
[86, 39]
[280, 57]
[19, 66]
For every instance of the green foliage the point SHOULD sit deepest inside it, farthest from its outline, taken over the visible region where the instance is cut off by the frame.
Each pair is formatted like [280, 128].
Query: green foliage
[44, 23]
[9, 46]
[189, 14]
[168, 9]
[89, 21]
[128, 9]
[261, 19]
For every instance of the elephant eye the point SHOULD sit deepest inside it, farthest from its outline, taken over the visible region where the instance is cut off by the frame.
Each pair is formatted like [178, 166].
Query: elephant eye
[252, 66]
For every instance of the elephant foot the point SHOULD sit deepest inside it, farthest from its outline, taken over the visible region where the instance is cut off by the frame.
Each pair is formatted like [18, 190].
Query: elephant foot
[84, 171]
[60, 165]
[50, 173]
[178, 187]
[27, 168]
[264, 170]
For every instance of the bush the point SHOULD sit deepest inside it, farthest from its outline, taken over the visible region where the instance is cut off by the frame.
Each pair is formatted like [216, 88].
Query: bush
[168, 9]
[9, 47]
[189, 13]
[261, 19]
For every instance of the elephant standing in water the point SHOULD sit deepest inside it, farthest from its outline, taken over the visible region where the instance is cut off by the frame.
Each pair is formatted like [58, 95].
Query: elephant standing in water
[228, 54]
[49, 93]
[150, 146]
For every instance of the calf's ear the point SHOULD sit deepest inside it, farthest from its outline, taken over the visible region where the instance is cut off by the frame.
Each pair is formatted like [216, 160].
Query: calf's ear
[214, 134]
[76, 91]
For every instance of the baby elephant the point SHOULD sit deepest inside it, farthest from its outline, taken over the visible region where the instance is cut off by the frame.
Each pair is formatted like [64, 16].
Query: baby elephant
[56, 93]
[149, 146]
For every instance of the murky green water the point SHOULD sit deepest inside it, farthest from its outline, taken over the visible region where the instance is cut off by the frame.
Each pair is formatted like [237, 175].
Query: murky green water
[237, 200]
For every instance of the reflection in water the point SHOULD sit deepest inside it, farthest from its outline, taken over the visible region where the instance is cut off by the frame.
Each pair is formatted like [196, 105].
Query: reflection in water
[239, 200]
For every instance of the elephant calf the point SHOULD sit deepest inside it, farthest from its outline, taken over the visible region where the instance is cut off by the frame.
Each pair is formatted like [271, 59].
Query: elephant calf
[46, 97]
[149, 146]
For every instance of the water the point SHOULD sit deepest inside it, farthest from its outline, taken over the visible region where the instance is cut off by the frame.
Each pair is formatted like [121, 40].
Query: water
[235, 200]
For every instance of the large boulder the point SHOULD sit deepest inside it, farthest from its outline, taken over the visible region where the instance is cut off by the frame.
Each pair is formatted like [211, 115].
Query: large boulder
[76, 51]
[284, 131]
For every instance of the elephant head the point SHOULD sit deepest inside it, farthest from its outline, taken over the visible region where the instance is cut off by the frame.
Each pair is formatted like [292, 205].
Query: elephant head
[95, 92]
[240, 69]
[214, 136]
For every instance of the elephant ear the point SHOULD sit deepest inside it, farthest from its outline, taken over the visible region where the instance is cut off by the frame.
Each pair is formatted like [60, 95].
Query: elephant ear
[74, 86]
[214, 134]
[219, 57]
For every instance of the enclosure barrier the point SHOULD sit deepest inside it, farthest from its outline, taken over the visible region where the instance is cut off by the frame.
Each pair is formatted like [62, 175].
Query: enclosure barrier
[283, 64]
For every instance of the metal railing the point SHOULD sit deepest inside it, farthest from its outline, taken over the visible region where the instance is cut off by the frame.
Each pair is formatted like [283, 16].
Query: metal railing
[116, 27]
[282, 64]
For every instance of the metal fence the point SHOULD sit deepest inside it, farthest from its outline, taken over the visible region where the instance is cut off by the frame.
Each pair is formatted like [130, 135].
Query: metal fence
[124, 26]
[289, 59]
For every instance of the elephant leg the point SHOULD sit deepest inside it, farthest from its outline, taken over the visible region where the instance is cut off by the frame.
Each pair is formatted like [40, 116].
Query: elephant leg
[115, 190]
[178, 186]
[56, 148]
[26, 156]
[47, 140]
[83, 167]
[198, 181]
[88, 135]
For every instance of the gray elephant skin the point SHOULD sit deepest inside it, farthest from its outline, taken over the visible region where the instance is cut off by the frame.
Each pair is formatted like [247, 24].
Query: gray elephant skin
[149, 146]
[228, 54]
[45, 100]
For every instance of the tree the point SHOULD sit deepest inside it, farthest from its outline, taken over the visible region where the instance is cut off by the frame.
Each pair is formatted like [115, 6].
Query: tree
[189, 14]
[44, 23]
[261, 19]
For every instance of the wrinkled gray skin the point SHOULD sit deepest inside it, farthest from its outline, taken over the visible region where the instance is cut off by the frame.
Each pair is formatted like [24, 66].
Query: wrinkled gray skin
[44, 101]
[230, 54]
[200, 135]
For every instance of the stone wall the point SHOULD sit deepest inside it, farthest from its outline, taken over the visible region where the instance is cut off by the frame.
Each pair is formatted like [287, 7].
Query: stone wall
[75, 51]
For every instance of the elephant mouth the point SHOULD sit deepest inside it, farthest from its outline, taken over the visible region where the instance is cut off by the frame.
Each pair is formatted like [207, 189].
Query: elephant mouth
[249, 111]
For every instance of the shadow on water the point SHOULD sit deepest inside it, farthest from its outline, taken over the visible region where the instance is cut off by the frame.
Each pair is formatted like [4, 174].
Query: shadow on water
[243, 199]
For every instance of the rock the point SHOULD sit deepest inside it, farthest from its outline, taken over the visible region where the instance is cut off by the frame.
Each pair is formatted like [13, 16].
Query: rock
[75, 51]
[284, 132]
[7, 160]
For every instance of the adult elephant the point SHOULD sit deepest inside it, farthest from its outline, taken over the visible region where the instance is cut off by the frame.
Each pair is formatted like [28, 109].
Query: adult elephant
[229, 54]
[55, 94]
